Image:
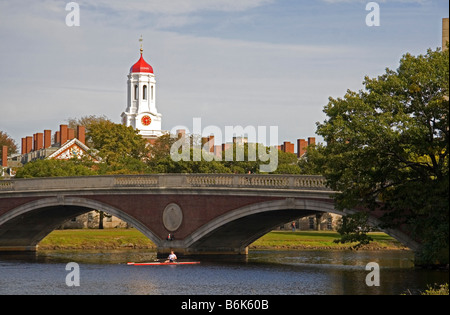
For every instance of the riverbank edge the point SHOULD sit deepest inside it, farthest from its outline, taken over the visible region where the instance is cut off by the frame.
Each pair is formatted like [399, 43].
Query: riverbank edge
[138, 242]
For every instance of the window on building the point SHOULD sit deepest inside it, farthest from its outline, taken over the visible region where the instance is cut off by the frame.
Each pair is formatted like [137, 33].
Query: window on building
[330, 223]
[152, 92]
[144, 92]
[136, 92]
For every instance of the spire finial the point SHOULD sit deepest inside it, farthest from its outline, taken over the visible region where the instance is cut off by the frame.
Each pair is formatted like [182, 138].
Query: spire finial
[141, 40]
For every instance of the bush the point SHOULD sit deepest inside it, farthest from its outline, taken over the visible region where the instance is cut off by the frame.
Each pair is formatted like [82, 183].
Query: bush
[437, 290]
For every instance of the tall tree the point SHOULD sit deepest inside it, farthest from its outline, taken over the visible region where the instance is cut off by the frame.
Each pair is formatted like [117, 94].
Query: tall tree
[387, 146]
[87, 122]
[116, 143]
[311, 162]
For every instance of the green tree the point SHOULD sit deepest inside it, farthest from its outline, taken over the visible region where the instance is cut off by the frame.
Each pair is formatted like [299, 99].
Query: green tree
[311, 163]
[354, 228]
[121, 149]
[387, 148]
[160, 149]
[250, 160]
[244, 158]
[87, 122]
[53, 168]
[161, 161]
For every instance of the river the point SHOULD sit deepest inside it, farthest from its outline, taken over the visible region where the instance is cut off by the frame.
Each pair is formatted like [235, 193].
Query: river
[312, 272]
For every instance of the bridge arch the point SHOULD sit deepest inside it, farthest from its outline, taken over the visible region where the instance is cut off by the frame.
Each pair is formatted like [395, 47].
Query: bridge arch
[25, 226]
[220, 212]
[235, 230]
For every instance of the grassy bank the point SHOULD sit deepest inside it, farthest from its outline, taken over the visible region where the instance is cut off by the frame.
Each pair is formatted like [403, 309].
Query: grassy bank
[96, 239]
[131, 238]
[320, 240]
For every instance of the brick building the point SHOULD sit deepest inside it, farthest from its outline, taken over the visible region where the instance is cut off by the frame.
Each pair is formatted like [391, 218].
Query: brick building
[320, 222]
[64, 144]
[302, 146]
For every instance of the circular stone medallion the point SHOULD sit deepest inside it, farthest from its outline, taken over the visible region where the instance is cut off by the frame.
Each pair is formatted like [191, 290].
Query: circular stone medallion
[172, 217]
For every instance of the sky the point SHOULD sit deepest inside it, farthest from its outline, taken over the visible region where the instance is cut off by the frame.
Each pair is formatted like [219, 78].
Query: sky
[230, 63]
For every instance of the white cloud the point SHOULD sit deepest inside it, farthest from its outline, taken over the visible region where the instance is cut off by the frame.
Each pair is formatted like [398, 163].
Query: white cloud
[134, 13]
[50, 72]
[164, 14]
[140, 6]
[175, 7]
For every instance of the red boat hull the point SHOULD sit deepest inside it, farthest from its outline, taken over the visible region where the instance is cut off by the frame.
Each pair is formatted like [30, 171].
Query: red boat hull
[164, 263]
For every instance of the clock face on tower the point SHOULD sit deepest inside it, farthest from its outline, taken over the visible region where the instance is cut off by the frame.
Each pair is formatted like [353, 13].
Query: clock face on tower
[146, 120]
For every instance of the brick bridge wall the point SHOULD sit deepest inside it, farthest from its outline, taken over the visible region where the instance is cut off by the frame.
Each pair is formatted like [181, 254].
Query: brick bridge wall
[205, 213]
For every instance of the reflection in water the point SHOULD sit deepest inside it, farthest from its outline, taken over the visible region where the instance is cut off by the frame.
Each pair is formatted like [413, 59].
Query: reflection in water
[263, 272]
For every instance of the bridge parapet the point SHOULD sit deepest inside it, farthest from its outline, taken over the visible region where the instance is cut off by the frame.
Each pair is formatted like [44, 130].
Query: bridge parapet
[288, 182]
[136, 181]
[208, 212]
[6, 185]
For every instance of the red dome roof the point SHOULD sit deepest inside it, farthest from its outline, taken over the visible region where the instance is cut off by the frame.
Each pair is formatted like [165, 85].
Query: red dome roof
[141, 66]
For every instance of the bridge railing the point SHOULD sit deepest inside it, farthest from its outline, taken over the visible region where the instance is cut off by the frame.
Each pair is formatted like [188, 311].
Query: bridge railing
[294, 182]
[264, 181]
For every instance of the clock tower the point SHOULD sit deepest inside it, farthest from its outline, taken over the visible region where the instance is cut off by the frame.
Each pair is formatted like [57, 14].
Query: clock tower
[141, 112]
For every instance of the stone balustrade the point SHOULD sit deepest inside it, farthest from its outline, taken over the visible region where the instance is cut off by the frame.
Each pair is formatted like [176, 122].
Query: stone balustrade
[288, 182]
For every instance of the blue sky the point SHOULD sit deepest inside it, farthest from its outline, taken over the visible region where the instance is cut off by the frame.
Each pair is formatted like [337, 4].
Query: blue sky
[247, 62]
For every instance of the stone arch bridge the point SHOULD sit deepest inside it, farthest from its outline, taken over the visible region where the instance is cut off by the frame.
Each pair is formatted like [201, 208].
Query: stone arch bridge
[206, 213]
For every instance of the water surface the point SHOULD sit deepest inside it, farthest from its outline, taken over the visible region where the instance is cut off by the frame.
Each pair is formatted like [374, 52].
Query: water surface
[261, 273]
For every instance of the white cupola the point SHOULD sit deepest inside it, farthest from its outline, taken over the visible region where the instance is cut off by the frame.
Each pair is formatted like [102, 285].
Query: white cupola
[141, 112]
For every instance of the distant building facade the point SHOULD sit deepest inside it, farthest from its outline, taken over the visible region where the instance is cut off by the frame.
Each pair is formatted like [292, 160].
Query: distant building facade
[64, 144]
[91, 220]
[319, 222]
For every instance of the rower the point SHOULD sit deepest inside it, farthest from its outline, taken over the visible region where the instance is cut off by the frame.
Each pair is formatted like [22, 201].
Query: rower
[172, 257]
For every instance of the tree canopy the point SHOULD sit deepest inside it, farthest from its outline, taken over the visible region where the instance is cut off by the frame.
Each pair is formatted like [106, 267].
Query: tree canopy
[54, 168]
[121, 150]
[387, 146]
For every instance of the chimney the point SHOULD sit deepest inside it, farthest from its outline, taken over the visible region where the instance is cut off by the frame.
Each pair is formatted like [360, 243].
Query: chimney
[34, 142]
[81, 134]
[445, 33]
[29, 144]
[39, 144]
[24, 146]
[211, 144]
[311, 141]
[288, 147]
[70, 134]
[47, 139]
[56, 138]
[5, 156]
[63, 134]
[301, 147]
